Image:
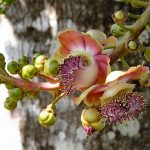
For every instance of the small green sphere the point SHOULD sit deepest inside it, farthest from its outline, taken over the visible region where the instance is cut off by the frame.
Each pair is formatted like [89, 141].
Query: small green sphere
[132, 45]
[24, 60]
[16, 93]
[39, 62]
[13, 67]
[35, 56]
[46, 118]
[119, 15]
[116, 30]
[29, 71]
[10, 103]
[51, 67]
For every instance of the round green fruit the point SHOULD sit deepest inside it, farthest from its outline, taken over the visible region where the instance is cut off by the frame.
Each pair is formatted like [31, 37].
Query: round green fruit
[29, 71]
[13, 67]
[51, 67]
[46, 118]
[16, 93]
[10, 103]
[24, 60]
[39, 62]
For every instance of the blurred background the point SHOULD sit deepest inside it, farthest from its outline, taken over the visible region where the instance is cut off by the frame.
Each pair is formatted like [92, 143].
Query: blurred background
[31, 25]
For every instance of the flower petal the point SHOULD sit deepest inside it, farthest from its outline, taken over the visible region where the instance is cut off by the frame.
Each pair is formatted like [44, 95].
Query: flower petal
[134, 73]
[60, 54]
[84, 78]
[103, 64]
[110, 41]
[71, 40]
[91, 45]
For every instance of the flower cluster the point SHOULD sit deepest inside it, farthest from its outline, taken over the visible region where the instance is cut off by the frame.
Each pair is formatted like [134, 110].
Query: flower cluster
[80, 63]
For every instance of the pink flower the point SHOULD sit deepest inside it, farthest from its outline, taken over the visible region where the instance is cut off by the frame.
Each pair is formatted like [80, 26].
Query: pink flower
[82, 64]
[115, 99]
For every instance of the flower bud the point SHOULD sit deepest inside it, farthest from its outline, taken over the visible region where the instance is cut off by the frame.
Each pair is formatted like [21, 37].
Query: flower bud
[10, 103]
[13, 67]
[39, 62]
[35, 56]
[16, 93]
[97, 35]
[46, 118]
[29, 71]
[132, 45]
[2, 63]
[91, 118]
[51, 67]
[119, 16]
[24, 60]
[116, 30]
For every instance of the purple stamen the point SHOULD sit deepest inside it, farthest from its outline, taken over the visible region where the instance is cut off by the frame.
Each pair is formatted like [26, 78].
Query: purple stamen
[67, 72]
[130, 105]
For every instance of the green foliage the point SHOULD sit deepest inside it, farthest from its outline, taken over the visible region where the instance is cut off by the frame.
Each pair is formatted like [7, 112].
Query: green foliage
[147, 54]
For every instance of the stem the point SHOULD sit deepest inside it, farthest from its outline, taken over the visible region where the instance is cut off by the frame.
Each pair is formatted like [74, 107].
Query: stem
[58, 98]
[137, 27]
[125, 28]
[28, 85]
[134, 16]
[109, 47]
[48, 78]
[124, 63]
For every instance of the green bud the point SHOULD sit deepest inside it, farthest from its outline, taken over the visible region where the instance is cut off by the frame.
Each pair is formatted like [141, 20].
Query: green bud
[137, 3]
[16, 93]
[10, 103]
[132, 45]
[46, 118]
[116, 30]
[119, 15]
[51, 67]
[91, 115]
[10, 86]
[147, 54]
[24, 60]
[91, 118]
[39, 62]
[29, 71]
[35, 56]
[2, 58]
[13, 67]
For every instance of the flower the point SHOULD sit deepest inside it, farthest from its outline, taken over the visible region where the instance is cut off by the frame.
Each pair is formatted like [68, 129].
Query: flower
[82, 63]
[115, 99]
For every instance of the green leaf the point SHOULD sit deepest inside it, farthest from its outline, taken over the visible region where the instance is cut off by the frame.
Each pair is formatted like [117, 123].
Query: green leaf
[147, 54]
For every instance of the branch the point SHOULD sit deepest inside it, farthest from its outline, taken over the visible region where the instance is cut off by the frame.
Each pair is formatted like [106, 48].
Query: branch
[137, 28]
[27, 85]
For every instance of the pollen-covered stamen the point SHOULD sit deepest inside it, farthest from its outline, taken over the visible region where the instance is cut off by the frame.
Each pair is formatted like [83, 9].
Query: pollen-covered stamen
[113, 112]
[135, 104]
[67, 71]
[123, 106]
